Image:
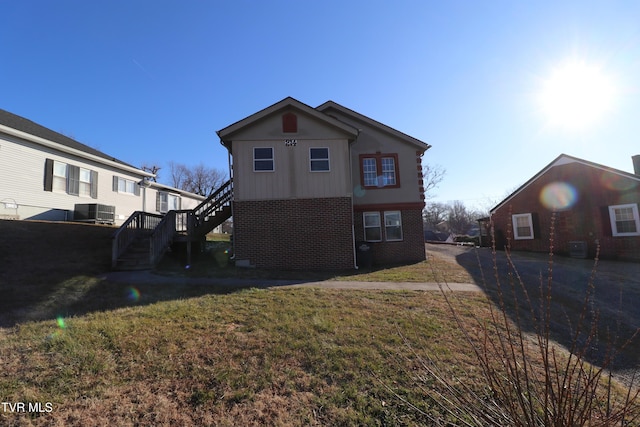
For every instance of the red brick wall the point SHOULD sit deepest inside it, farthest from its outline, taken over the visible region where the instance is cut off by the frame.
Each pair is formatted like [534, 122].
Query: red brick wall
[294, 234]
[587, 219]
[410, 249]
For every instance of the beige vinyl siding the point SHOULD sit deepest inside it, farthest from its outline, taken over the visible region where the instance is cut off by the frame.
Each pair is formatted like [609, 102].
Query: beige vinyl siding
[291, 177]
[371, 140]
[22, 172]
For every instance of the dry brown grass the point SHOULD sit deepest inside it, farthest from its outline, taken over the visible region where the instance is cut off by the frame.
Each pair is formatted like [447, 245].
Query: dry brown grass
[279, 357]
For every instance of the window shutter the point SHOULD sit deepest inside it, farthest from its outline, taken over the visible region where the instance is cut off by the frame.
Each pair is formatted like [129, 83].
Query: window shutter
[605, 221]
[48, 175]
[94, 184]
[73, 180]
[158, 201]
[535, 224]
[115, 183]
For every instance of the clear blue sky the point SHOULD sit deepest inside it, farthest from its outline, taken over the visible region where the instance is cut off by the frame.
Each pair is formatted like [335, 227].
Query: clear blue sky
[151, 81]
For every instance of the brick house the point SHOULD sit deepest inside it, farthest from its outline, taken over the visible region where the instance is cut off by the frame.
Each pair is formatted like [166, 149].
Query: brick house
[310, 184]
[593, 204]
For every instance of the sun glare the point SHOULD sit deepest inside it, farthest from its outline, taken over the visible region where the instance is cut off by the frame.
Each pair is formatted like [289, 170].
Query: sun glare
[576, 95]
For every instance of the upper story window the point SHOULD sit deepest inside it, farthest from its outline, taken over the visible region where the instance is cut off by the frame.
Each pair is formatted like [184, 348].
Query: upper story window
[522, 226]
[59, 176]
[263, 159]
[85, 182]
[289, 123]
[126, 186]
[319, 159]
[379, 170]
[70, 179]
[624, 220]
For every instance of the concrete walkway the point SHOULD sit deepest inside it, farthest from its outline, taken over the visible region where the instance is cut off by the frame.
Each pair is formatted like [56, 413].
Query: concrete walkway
[147, 277]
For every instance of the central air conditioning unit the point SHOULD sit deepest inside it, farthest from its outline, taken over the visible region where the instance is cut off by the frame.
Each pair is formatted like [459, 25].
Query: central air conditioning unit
[578, 249]
[95, 213]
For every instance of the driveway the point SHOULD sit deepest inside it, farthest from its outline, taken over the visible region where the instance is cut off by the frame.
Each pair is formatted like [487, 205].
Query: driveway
[610, 291]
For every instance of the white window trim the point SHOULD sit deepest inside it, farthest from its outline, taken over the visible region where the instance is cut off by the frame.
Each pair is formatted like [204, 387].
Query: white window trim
[273, 160]
[60, 178]
[515, 226]
[385, 226]
[125, 180]
[612, 219]
[364, 225]
[327, 159]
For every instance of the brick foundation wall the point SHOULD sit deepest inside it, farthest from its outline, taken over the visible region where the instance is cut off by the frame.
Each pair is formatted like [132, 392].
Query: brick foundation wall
[314, 234]
[410, 249]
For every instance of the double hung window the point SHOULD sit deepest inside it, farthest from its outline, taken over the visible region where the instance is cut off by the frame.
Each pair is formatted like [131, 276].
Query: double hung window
[319, 159]
[263, 159]
[522, 226]
[624, 220]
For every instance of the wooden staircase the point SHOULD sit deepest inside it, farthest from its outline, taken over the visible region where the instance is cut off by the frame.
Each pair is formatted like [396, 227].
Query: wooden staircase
[142, 240]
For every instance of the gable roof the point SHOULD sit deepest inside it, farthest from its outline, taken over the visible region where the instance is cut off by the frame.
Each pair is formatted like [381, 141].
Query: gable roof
[373, 123]
[226, 134]
[27, 129]
[564, 159]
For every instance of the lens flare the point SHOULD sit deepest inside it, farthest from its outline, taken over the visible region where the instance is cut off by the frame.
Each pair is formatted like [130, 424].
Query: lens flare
[616, 182]
[60, 322]
[133, 294]
[359, 191]
[558, 196]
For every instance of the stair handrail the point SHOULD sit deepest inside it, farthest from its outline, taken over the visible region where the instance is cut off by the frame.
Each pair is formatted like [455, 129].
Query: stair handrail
[127, 232]
[162, 236]
[218, 199]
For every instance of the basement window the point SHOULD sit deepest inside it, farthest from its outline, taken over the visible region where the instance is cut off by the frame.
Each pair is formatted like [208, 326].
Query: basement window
[624, 220]
[522, 226]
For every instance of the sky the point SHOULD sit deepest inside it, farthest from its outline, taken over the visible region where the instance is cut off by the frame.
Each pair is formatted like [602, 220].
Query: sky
[482, 82]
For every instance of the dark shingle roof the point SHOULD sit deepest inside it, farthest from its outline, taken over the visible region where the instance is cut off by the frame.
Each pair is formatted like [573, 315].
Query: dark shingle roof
[25, 125]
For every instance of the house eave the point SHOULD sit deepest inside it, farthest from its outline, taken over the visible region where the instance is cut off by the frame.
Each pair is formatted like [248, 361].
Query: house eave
[226, 134]
[72, 151]
[562, 159]
[374, 123]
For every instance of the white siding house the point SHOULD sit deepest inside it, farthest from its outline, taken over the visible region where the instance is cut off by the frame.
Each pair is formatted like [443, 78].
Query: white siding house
[44, 175]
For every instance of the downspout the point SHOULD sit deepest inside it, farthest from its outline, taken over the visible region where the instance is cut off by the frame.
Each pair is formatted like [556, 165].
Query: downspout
[353, 226]
[233, 240]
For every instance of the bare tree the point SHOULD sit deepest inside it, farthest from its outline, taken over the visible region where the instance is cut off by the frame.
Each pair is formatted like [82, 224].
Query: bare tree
[432, 176]
[434, 213]
[153, 169]
[178, 172]
[461, 218]
[200, 179]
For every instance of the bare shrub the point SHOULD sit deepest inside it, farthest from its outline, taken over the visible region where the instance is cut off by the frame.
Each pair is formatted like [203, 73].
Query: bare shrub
[528, 379]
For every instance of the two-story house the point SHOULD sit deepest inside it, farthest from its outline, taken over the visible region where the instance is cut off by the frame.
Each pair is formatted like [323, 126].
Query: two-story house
[45, 175]
[311, 184]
